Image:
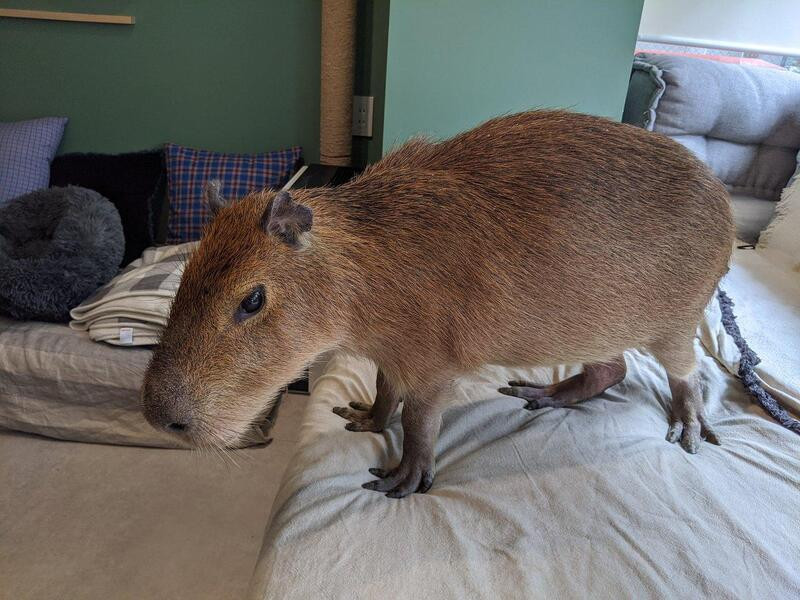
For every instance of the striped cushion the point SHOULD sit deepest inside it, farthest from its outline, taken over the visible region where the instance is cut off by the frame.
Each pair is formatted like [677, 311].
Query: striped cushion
[26, 149]
[189, 169]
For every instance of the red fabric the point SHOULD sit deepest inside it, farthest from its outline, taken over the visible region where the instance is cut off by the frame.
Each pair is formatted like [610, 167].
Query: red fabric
[737, 60]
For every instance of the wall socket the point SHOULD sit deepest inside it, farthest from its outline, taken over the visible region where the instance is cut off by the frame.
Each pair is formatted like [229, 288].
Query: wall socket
[362, 116]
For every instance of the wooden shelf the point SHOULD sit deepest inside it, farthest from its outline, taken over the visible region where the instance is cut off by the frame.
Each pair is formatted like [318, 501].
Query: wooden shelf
[48, 15]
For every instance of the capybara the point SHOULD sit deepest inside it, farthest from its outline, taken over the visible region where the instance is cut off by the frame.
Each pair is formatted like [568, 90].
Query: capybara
[540, 238]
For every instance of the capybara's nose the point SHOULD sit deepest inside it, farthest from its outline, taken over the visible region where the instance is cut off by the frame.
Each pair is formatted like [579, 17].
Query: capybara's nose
[167, 409]
[178, 426]
[167, 415]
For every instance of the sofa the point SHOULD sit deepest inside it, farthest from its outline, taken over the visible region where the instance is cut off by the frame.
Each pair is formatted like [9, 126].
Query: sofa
[743, 121]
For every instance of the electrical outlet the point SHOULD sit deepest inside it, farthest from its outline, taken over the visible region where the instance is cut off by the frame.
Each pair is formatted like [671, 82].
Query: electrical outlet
[362, 116]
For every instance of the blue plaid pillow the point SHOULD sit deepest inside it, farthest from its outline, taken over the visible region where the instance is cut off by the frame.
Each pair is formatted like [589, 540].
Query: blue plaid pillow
[188, 170]
[26, 149]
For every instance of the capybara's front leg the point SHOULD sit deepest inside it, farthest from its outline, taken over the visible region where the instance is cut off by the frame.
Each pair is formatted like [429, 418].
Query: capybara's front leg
[371, 417]
[421, 421]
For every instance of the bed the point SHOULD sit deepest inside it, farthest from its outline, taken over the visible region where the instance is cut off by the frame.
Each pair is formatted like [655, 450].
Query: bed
[589, 501]
[56, 382]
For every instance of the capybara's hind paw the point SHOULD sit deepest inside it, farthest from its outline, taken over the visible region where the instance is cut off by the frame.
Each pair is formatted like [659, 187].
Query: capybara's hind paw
[535, 396]
[360, 418]
[401, 481]
[691, 427]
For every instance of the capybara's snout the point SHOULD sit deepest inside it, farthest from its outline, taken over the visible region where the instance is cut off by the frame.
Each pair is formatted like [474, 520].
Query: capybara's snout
[167, 405]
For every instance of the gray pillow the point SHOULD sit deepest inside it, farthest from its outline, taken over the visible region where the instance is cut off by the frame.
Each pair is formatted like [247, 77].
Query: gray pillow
[26, 149]
[57, 246]
[743, 121]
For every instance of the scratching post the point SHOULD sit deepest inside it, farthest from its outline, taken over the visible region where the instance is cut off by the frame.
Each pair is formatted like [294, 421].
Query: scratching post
[336, 90]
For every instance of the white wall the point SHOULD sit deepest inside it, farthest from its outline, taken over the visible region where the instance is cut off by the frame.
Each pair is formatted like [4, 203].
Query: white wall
[765, 26]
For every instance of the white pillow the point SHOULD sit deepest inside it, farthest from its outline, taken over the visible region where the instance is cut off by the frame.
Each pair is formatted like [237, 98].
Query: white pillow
[782, 237]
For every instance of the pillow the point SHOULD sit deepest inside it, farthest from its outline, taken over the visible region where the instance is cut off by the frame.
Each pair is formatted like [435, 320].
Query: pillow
[135, 183]
[750, 216]
[57, 246]
[189, 169]
[26, 149]
[782, 235]
[743, 122]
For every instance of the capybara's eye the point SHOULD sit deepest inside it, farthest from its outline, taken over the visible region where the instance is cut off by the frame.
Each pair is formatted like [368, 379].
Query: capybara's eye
[252, 303]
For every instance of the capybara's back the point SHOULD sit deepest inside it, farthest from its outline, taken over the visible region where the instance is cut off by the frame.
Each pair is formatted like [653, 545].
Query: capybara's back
[535, 239]
[547, 238]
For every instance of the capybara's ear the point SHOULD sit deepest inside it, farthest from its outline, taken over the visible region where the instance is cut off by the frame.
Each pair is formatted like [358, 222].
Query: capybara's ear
[287, 220]
[212, 196]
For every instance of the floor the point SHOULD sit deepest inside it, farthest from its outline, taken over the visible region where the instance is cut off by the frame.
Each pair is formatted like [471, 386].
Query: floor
[110, 522]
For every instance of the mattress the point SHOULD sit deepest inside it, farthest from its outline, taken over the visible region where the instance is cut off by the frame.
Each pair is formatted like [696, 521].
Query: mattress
[57, 382]
[588, 501]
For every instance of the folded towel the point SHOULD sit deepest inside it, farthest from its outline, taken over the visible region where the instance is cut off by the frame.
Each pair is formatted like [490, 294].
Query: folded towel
[132, 308]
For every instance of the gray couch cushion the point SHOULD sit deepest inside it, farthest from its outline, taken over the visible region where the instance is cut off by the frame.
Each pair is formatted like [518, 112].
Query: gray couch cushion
[743, 121]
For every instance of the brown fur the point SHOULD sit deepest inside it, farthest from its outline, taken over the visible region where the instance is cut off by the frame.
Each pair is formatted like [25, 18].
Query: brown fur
[539, 238]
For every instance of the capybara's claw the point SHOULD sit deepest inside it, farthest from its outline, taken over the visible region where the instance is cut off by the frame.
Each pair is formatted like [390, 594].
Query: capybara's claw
[401, 481]
[525, 383]
[691, 433]
[689, 425]
[360, 406]
[524, 392]
[537, 404]
[345, 413]
[360, 420]
[365, 425]
[535, 397]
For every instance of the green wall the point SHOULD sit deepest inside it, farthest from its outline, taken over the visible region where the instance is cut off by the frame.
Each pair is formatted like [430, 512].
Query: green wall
[454, 63]
[243, 75]
[370, 77]
[238, 76]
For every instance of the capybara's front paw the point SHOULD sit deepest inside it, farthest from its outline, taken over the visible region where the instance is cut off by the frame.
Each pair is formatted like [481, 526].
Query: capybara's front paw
[360, 416]
[407, 478]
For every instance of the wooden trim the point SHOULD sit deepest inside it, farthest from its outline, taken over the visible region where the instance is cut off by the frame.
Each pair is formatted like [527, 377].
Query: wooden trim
[67, 16]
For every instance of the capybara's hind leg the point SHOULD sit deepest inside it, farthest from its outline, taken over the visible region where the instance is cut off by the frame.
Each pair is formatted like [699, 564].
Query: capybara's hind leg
[593, 381]
[687, 420]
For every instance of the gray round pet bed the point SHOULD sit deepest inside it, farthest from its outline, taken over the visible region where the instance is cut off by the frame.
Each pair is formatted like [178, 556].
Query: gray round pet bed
[57, 246]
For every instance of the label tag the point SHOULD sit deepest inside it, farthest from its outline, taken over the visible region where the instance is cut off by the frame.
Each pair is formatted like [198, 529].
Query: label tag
[126, 335]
